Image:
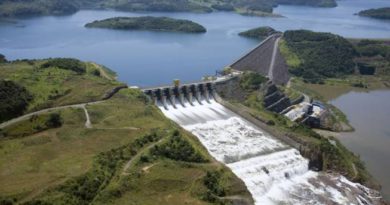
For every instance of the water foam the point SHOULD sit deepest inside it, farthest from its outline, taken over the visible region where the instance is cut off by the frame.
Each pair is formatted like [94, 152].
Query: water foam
[273, 172]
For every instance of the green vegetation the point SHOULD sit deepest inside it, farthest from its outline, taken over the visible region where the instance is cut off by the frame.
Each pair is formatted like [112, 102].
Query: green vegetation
[14, 100]
[212, 181]
[321, 55]
[291, 58]
[2, 58]
[84, 189]
[66, 64]
[251, 81]
[36, 124]
[319, 3]
[53, 158]
[148, 23]
[18, 8]
[178, 148]
[379, 13]
[259, 33]
[374, 58]
[39, 84]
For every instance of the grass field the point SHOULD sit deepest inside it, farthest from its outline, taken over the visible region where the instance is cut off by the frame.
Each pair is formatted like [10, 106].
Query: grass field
[333, 88]
[33, 166]
[53, 86]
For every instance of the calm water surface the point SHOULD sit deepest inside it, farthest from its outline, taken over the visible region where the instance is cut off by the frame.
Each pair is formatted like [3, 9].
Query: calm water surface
[154, 58]
[369, 114]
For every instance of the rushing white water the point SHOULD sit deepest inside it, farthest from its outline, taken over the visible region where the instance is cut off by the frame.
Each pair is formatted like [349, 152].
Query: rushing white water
[273, 172]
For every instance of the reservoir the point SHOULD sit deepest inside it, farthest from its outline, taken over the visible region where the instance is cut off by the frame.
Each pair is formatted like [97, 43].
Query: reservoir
[155, 58]
[369, 114]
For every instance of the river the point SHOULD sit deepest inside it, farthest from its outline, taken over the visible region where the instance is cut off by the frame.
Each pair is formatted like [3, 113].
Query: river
[369, 114]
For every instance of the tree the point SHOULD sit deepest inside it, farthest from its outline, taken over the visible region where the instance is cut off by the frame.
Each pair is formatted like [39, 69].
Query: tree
[2, 59]
[54, 120]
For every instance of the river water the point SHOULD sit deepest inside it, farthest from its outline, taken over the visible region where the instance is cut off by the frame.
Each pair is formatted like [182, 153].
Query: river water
[155, 58]
[273, 172]
[369, 114]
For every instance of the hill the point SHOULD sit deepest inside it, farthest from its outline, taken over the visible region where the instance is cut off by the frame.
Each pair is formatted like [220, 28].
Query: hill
[148, 23]
[108, 152]
[315, 55]
[53, 82]
[19, 8]
[259, 33]
[379, 13]
[24, 8]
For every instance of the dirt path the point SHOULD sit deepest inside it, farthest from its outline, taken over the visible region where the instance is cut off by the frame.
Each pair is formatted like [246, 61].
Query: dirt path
[103, 73]
[133, 159]
[87, 120]
[24, 117]
[272, 65]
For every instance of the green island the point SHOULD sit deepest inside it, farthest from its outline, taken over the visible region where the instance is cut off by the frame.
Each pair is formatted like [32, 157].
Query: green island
[21, 8]
[148, 23]
[379, 13]
[259, 33]
[116, 148]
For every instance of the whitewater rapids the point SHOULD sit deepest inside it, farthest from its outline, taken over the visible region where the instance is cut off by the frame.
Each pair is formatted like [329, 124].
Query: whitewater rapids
[273, 172]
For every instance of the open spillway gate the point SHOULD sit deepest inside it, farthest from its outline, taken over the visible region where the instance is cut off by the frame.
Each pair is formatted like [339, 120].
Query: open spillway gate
[183, 95]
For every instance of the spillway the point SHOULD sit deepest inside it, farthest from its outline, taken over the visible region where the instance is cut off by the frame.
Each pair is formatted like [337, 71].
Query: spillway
[273, 172]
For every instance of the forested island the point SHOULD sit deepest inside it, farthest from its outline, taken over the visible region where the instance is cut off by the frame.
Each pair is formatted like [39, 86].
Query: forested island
[379, 13]
[148, 23]
[259, 33]
[20, 8]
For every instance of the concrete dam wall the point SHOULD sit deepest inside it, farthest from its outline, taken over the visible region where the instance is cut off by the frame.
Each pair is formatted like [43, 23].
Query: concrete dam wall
[264, 60]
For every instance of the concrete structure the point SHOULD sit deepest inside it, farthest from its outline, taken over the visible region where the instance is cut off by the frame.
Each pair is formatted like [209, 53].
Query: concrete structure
[265, 59]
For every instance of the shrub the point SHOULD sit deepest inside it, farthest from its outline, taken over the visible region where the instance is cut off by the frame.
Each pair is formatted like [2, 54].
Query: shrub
[212, 182]
[177, 148]
[54, 120]
[2, 58]
[66, 64]
[252, 81]
[14, 100]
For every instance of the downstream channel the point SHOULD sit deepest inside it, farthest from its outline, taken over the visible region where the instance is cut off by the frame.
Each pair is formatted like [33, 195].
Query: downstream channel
[369, 114]
[273, 172]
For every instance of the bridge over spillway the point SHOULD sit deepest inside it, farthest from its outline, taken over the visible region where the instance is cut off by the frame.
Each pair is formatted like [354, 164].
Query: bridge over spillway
[182, 95]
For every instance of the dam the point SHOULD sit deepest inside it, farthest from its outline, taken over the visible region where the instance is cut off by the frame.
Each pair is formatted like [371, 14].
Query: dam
[274, 172]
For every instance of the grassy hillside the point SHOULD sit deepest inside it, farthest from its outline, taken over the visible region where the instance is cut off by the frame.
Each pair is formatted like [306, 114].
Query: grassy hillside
[52, 158]
[18, 8]
[379, 13]
[54, 82]
[148, 23]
